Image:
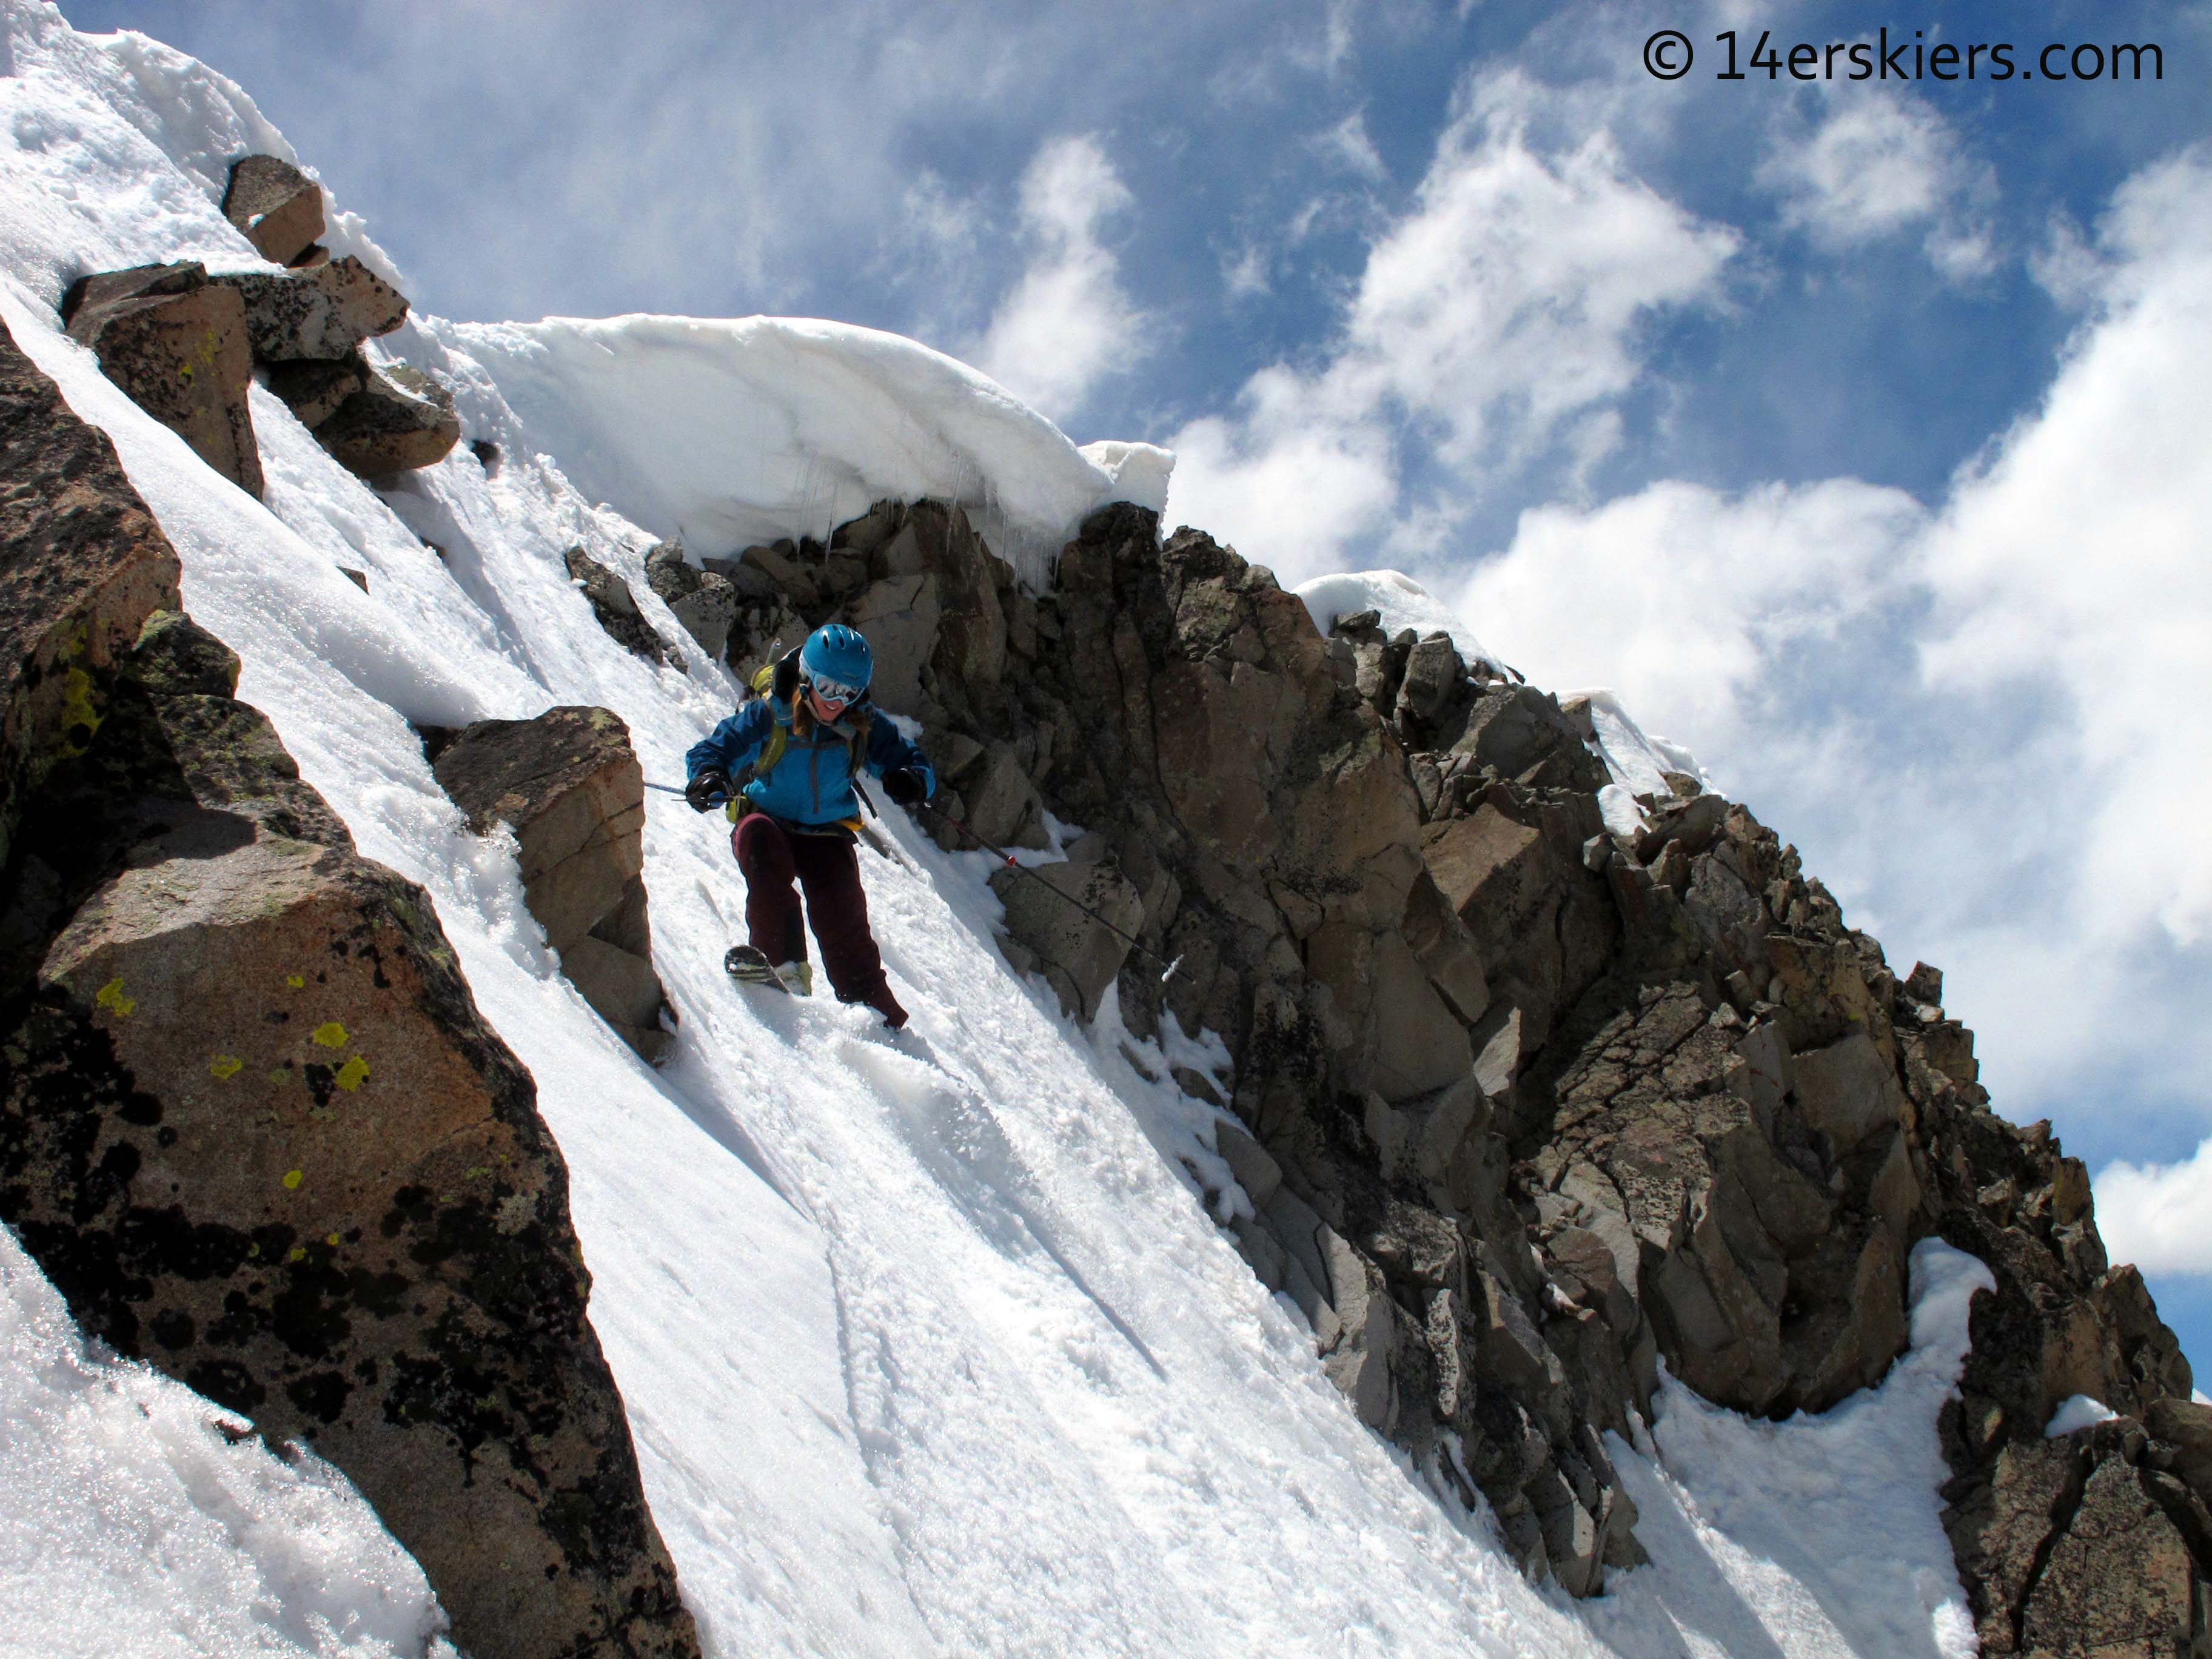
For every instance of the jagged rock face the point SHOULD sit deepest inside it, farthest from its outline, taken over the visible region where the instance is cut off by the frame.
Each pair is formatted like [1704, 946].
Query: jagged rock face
[569, 784]
[1080, 955]
[614, 607]
[177, 344]
[251, 1122]
[704, 602]
[83, 564]
[279, 208]
[1523, 1106]
[2096, 1541]
[1179, 703]
[2086, 1544]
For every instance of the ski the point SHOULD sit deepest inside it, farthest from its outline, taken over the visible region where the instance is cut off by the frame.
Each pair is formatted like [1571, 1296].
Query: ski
[749, 966]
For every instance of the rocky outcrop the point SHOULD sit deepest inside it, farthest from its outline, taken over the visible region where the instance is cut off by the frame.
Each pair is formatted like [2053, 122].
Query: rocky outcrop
[762, 623]
[321, 314]
[82, 565]
[395, 420]
[184, 345]
[277, 207]
[704, 602]
[1521, 1106]
[614, 607]
[251, 1124]
[2099, 1540]
[178, 346]
[2089, 1543]
[569, 785]
[306, 327]
[374, 422]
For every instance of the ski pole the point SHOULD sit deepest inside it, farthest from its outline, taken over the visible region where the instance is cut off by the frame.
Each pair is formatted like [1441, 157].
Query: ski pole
[882, 848]
[1174, 967]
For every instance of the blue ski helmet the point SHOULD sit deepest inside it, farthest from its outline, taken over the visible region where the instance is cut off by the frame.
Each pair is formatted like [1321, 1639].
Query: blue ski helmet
[837, 660]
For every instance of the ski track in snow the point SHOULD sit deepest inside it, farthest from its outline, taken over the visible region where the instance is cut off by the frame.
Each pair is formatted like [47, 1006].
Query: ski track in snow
[928, 1342]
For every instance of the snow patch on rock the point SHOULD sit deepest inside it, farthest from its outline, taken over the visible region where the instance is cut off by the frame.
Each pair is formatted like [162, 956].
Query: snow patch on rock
[1817, 1536]
[1400, 603]
[2075, 1413]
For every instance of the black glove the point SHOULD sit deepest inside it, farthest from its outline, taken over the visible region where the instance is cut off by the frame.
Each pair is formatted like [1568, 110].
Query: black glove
[906, 787]
[708, 791]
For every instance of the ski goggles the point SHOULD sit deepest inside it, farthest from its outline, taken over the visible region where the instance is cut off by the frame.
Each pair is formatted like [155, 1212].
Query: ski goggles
[834, 694]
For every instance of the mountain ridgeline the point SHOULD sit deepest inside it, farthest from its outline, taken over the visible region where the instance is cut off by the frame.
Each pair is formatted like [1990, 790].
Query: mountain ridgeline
[1524, 1101]
[1522, 1107]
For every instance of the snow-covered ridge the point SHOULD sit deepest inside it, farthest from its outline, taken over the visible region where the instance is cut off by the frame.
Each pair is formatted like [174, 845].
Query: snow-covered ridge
[726, 432]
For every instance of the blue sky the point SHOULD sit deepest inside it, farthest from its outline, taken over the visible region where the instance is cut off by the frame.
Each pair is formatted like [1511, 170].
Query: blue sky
[1857, 433]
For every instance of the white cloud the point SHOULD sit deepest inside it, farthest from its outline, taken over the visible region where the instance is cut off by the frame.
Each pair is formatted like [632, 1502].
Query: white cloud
[2072, 566]
[1497, 317]
[1349, 145]
[1245, 273]
[2159, 1217]
[1988, 725]
[1879, 165]
[1067, 323]
[1290, 480]
[1690, 601]
[1511, 297]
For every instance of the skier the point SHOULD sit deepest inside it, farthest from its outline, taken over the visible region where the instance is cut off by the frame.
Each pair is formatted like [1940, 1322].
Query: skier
[797, 747]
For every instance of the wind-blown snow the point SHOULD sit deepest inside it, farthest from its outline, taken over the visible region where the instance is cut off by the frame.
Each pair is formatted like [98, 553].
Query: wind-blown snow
[732, 431]
[129, 1522]
[929, 1342]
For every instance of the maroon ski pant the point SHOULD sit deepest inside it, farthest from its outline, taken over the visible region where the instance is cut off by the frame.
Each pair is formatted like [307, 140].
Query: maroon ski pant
[772, 855]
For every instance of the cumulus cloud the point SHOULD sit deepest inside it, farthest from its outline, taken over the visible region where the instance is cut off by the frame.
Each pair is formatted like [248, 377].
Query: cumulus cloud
[1289, 475]
[1510, 298]
[2072, 563]
[1067, 323]
[1984, 722]
[2160, 1218]
[1880, 164]
[1498, 315]
[1696, 601]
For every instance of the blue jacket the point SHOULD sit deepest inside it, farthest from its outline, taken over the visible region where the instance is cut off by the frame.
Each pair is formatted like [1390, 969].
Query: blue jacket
[812, 783]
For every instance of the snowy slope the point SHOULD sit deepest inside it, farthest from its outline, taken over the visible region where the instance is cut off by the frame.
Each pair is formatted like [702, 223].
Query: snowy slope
[928, 1342]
